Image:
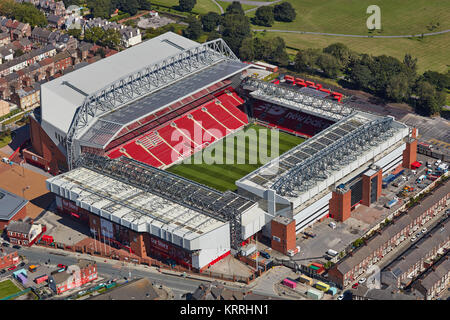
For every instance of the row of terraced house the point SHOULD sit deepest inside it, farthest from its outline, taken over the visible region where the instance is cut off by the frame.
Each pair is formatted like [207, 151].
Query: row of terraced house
[401, 272]
[357, 263]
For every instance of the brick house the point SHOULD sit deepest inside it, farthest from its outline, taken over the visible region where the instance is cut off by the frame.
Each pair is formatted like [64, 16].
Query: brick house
[24, 233]
[351, 267]
[435, 280]
[62, 61]
[26, 98]
[8, 257]
[60, 282]
[401, 272]
[55, 21]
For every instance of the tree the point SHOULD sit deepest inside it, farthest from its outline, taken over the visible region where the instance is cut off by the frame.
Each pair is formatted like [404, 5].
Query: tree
[23, 12]
[440, 80]
[429, 101]
[264, 16]
[383, 68]
[278, 54]
[235, 28]
[305, 60]
[94, 34]
[187, 5]
[111, 38]
[145, 4]
[340, 51]
[398, 88]
[284, 12]
[213, 35]
[360, 75]
[194, 29]
[329, 65]
[100, 8]
[235, 8]
[210, 21]
[247, 50]
[75, 32]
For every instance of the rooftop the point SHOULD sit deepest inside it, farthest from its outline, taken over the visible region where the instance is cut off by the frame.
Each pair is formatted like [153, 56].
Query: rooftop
[62, 96]
[10, 204]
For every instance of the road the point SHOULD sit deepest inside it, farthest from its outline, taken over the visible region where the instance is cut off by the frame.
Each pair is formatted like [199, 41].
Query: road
[116, 269]
[353, 35]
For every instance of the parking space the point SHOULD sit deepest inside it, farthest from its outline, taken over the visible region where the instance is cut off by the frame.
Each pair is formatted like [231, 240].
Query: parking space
[314, 249]
[62, 228]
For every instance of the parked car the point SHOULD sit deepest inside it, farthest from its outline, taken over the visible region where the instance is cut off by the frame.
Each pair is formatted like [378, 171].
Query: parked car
[424, 230]
[21, 264]
[12, 268]
[340, 297]
[16, 246]
[62, 266]
[264, 254]
[3, 271]
[5, 244]
[355, 285]
[362, 280]
[413, 239]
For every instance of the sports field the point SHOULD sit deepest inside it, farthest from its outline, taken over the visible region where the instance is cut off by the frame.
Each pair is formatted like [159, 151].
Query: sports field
[8, 288]
[245, 157]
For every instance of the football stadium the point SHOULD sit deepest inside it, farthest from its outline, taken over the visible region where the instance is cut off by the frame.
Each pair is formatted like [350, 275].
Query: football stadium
[129, 139]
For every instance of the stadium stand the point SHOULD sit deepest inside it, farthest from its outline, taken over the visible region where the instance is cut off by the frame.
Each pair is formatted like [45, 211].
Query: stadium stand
[289, 120]
[180, 137]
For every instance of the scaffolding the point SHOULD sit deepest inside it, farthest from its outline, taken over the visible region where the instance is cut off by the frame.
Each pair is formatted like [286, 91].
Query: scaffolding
[338, 154]
[295, 99]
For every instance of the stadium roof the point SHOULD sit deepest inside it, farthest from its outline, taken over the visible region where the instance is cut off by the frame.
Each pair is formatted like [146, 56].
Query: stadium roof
[137, 195]
[107, 126]
[304, 100]
[313, 162]
[61, 97]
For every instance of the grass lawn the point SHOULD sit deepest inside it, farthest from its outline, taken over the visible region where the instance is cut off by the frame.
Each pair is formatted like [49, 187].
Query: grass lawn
[433, 53]
[223, 176]
[202, 6]
[8, 288]
[398, 17]
[5, 141]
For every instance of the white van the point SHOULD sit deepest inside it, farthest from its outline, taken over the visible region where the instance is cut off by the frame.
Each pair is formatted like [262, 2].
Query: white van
[332, 225]
[332, 252]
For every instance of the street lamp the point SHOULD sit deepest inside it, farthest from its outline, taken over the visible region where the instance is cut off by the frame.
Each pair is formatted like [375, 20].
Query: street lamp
[23, 190]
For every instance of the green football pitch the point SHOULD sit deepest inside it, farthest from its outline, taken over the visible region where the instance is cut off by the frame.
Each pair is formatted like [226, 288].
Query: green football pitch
[221, 164]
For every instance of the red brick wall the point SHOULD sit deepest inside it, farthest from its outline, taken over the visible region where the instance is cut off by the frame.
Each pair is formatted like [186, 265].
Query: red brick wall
[367, 186]
[287, 236]
[46, 148]
[137, 244]
[7, 260]
[19, 215]
[410, 154]
[340, 205]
